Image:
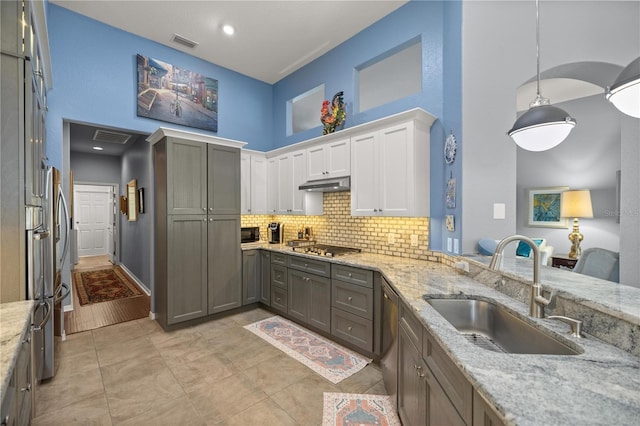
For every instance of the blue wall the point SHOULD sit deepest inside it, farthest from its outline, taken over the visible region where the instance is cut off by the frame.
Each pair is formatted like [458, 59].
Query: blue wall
[94, 81]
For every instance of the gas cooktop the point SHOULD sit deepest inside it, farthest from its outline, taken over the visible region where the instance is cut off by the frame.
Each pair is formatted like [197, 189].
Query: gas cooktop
[326, 250]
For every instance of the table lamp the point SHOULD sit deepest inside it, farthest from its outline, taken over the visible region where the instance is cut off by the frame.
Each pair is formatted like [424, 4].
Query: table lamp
[576, 204]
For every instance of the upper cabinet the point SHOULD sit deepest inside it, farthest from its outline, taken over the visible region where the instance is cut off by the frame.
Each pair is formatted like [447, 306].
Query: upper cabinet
[285, 173]
[254, 183]
[390, 170]
[329, 160]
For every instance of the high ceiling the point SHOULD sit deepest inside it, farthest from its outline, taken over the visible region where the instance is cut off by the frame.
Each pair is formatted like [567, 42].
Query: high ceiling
[272, 38]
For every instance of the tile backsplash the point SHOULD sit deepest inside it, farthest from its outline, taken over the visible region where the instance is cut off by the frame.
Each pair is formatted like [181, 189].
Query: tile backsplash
[370, 234]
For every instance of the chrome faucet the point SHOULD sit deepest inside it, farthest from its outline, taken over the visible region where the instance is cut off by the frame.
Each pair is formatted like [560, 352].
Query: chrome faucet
[537, 301]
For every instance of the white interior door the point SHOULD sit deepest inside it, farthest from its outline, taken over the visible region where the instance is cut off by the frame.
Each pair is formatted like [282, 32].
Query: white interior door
[92, 216]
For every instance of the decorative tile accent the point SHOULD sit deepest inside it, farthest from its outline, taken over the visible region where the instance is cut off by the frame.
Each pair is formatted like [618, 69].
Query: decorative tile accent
[358, 409]
[370, 234]
[332, 361]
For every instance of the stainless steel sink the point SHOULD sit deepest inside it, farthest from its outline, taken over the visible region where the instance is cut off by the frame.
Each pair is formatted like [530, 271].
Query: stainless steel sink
[494, 328]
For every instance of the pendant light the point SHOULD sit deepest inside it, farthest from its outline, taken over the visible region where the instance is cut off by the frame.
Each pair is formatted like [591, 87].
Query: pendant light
[543, 126]
[625, 91]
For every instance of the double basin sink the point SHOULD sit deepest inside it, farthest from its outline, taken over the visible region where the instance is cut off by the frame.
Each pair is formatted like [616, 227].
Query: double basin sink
[493, 327]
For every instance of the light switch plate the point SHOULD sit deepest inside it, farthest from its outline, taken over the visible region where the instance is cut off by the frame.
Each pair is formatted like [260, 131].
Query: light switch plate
[456, 248]
[414, 240]
[449, 243]
[499, 211]
[391, 238]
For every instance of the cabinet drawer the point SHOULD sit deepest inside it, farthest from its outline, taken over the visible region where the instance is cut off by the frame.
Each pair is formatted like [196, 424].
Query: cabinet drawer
[352, 298]
[455, 385]
[352, 328]
[279, 299]
[279, 259]
[313, 266]
[352, 275]
[411, 325]
[279, 276]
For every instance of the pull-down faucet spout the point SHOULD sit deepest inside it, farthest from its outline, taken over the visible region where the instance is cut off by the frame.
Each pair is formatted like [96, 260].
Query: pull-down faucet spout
[537, 302]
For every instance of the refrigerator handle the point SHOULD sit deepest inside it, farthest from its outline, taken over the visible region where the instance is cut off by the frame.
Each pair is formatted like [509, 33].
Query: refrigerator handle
[57, 298]
[66, 225]
[47, 315]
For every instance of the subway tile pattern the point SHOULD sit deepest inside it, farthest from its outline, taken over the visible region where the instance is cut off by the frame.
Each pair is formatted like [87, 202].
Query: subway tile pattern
[370, 234]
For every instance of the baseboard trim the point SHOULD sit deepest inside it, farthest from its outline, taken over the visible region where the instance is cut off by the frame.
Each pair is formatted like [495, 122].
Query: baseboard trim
[135, 279]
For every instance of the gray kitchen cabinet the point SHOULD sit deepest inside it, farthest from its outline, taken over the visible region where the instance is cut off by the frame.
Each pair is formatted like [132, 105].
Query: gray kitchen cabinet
[251, 274]
[279, 299]
[309, 299]
[421, 399]
[17, 399]
[483, 414]
[352, 306]
[279, 275]
[265, 277]
[224, 263]
[182, 289]
[197, 225]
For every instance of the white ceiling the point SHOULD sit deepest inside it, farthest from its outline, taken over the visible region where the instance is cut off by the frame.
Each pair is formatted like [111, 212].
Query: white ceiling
[272, 39]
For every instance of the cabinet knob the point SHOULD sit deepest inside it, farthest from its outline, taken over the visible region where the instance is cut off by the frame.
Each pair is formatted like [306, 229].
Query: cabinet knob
[277, 299]
[204, 209]
[210, 209]
[380, 210]
[349, 299]
[349, 328]
[350, 274]
[204, 219]
[375, 210]
[26, 389]
[210, 219]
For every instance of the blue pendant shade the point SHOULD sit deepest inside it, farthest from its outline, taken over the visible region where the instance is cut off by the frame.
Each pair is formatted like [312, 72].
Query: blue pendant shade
[541, 128]
[624, 93]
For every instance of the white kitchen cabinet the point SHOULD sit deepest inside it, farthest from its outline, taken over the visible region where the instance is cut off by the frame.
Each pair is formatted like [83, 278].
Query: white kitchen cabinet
[285, 174]
[254, 183]
[329, 160]
[390, 171]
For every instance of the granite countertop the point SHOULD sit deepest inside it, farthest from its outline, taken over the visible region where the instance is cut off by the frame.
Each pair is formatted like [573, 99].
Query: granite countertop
[15, 319]
[599, 386]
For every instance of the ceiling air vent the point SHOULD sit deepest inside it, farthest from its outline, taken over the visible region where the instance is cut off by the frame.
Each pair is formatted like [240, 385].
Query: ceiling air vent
[102, 135]
[177, 38]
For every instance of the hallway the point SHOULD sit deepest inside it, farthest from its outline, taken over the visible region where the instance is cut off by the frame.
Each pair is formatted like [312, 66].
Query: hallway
[96, 315]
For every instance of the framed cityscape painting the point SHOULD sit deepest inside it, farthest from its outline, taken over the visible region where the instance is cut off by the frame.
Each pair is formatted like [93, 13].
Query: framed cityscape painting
[544, 207]
[175, 95]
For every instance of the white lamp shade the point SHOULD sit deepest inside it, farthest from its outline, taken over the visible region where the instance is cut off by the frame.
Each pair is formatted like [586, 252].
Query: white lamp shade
[625, 92]
[541, 128]
[576, 204]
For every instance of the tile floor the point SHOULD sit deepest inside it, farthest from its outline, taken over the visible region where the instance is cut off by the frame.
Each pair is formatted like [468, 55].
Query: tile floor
[216, 373]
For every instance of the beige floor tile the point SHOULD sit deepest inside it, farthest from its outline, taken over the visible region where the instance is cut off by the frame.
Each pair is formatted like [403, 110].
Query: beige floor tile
[128, 399]
[76, 343]
[224, 398]
[265, 412]
[377, 389]
[161, 338]
[249, 317]
[276, 373]
[74, 363]
[362, 380]
[209, 368]
[211, 329]
[62, 391]
[148, 325]
[119, 351]
[120, 373]
[179, 411]
[89, 411]
[105, 337]
[303, 400]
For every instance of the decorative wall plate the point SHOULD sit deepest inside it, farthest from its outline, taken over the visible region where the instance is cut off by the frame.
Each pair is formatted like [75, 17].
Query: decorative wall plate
[450, 147]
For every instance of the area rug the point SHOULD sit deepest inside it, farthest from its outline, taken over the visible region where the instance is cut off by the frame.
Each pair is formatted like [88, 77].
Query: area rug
[104, 285]
[332, 361]
[349, 409]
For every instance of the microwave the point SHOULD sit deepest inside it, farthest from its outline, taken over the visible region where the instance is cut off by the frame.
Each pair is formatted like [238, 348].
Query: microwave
[250, 234]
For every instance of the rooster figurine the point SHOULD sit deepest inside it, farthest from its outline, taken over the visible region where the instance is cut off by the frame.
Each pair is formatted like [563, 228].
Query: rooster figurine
[331, 120]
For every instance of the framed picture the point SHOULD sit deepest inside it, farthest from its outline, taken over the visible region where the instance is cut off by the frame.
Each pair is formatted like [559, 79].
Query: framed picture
[132, 201]
[451, 193]
[169, 93]
[141, 200]
[544, 207]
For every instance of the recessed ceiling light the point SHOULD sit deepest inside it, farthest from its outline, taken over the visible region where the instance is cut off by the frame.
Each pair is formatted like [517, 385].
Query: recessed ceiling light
[98, 148]
[228, 29]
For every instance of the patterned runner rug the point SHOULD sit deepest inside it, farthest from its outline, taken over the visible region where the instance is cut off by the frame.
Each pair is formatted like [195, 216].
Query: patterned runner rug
[342, 409]
[332, 361]
[103, 285]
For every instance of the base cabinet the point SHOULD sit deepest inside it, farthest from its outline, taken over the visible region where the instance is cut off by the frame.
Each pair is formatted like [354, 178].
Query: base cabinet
[265, 277]
[17, 399]
[483, 414]
[251, 276]
[310, 299]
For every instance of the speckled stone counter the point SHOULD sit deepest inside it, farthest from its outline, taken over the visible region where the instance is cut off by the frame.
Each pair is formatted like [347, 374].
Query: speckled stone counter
[601, 386]
[15, 319]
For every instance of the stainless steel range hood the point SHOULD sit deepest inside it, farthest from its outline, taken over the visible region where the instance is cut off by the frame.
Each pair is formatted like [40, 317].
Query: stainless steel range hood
[327, 185]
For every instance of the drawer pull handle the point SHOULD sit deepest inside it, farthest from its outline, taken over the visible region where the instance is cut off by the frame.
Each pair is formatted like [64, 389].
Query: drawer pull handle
[349, 299]
[277, 299]
[27, 389]
[349, 328]
[350, 274]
